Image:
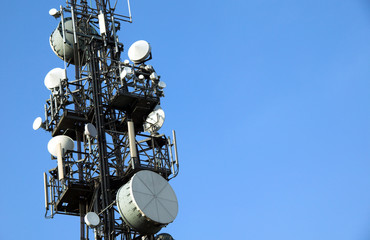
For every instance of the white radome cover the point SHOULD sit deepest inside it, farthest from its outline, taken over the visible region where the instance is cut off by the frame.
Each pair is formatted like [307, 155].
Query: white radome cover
[153, 196]
[126, 72]
[90, 130]
[139, 51]
[37, 123]
[155, 120]
[154, 76]
[53, 12]
[66, 142]
[54, 77]
[92, 219]
[162, 85]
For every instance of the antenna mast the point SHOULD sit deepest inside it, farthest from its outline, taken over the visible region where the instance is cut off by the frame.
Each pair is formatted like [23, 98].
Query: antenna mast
[116, 180]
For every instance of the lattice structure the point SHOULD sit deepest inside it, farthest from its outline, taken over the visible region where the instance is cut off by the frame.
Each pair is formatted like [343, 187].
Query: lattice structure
[102, 109]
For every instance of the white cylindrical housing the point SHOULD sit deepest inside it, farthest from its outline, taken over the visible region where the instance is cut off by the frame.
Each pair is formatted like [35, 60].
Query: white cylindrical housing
[60, 162]
[147, 202]
[102, 27]
[131, 138]
[46, 191]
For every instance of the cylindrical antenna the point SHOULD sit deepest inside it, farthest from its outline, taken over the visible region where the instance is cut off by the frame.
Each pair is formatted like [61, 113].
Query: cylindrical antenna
[46, 191]
[132, 140]
[60, 162]
[102, 27]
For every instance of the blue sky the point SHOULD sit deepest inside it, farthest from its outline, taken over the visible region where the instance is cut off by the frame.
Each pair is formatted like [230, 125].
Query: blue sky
[270, 101]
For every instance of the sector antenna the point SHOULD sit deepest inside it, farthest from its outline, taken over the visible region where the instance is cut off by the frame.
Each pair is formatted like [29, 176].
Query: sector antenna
[112, 166]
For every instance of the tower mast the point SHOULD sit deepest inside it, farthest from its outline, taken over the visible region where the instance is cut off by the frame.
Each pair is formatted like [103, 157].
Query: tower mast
[116, 180]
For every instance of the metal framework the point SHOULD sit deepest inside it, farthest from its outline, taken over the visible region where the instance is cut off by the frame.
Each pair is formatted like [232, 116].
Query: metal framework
[117, 107]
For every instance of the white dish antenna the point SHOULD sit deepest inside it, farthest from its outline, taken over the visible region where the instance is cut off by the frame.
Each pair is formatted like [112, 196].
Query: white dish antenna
[90, 130]
[65, 142]
[147, 202]
[92, 219]
[126, 73]
[154, 76]
[54, 77]
[162, 85]
[55, 13]
[37, 123]
[155, 120]
[141, 78]
[149, 68]
[139, 51]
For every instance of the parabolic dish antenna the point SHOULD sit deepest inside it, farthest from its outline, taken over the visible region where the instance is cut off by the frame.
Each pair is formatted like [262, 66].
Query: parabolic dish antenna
[149, 68]
[147, 202]
[155, 120]
[153, 76]
[37, 123]
[141, 77]
[54, 77]
[53, 12]
[90, 130]
[92, 219]
[126, 72]
[161, 85]
[62, 39]
[139, 51]
[65, 142]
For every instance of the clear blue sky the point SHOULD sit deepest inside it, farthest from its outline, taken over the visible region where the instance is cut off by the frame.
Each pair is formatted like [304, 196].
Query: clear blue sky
[270, 100]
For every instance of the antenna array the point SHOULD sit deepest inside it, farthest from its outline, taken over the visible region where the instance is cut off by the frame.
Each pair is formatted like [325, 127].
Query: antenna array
[109, 172]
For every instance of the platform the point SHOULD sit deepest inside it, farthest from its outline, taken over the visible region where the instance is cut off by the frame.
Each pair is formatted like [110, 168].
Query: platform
[69, 122]
[156, 141]
[69, 200]
[138, 106]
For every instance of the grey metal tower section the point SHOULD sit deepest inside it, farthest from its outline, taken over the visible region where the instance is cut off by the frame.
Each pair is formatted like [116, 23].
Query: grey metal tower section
[97, 119]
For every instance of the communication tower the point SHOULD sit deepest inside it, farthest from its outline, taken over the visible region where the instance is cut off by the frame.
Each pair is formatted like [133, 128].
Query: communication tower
[112, 167]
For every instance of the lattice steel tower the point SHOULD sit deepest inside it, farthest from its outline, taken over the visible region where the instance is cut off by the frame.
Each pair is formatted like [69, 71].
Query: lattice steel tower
[109, 172]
